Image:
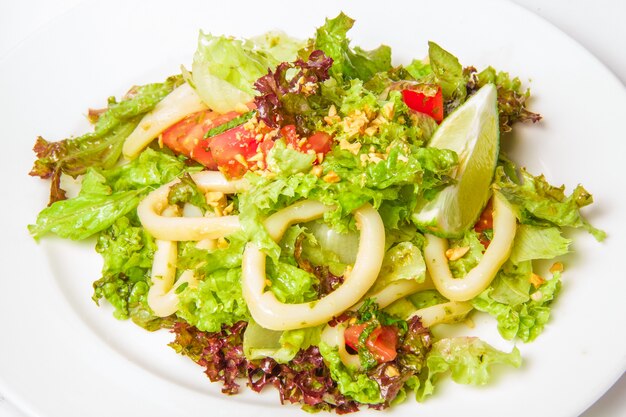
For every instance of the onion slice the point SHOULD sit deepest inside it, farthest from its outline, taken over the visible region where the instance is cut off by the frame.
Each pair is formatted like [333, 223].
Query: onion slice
[178, 104]
[189, 228]
[479, 278]
[270, 313]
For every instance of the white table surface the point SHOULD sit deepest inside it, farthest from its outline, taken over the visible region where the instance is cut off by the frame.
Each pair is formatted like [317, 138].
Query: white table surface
[596, 24]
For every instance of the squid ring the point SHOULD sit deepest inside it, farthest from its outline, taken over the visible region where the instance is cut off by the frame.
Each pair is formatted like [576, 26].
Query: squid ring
[188, 228]
[479, 278]
[270, 313]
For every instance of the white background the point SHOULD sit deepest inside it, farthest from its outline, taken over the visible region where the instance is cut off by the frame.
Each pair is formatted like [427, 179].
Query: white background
[596, 24]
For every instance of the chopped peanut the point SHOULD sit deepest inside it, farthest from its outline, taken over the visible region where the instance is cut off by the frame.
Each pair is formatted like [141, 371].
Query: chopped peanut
[454, 254]
[556, 267]
[392, 371]
[239, 158]
[536, 280]
[317, 170]
[536, 296]
[331, 177]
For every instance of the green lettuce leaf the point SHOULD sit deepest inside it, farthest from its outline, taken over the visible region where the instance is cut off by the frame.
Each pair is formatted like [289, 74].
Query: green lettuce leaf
[282, 346]
[105, 196]
[448, 72]
[402, 261]
[532, 242]
[462, 266]
[349, 63]
[419, 69]
[283, 160]
[542, 204]
[291, 284]
[127, 251]
[224, 69]
[512, 97]
[102, 147]
[467, 358]
[217, 301]
[186, 191]
[521, 310]
[351, 383]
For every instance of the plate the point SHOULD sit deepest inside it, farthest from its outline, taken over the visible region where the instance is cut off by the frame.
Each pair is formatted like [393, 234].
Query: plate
[63, 356]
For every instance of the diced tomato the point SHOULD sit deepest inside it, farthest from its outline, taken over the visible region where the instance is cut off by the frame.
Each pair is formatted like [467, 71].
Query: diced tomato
[425, 101]
[290, 135]
[485, 222]
[319, 142]
[382, 342]
[187, 136]
[232, 149]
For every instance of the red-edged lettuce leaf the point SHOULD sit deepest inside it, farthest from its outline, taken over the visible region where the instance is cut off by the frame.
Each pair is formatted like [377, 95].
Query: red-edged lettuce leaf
[102, 147]
[290, 94]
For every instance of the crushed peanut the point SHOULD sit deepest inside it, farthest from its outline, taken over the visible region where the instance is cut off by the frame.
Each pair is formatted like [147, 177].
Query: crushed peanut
[536, 296]
[388, 110]
[556, 267]
[317, 170]
[239, 158]
[454, 254]
[256, 157]
[331, 177]
[229, 209]
[536, 280]
[353, 148]
[391, 371]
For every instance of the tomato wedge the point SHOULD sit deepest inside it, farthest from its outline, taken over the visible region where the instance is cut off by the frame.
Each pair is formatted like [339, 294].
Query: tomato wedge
[382, 342]
[232, 150]
[425, 100]
[319, 142]
[187, 136]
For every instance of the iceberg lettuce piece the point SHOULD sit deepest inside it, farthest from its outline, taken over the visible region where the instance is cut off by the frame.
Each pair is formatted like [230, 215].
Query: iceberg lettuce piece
[224, 69]
[533, 242]
[282, 346]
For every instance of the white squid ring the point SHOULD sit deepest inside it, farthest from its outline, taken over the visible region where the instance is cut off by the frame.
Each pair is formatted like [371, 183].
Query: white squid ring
[479, 278]
[270, 313]
[189, 228]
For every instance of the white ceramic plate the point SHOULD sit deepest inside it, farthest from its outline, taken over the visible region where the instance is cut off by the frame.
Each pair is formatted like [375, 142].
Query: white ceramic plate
[62, 356]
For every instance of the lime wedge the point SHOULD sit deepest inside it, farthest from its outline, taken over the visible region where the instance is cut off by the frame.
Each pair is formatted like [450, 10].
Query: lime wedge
[472, 132]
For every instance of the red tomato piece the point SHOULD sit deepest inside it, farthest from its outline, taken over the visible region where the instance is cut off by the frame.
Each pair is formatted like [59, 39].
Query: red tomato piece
[382, 342]
[319, 142]
[485, 222]
[187, 136]
[424, 101]
[233, 148]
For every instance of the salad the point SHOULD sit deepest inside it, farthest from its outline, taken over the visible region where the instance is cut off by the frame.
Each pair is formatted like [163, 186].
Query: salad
[307, 215]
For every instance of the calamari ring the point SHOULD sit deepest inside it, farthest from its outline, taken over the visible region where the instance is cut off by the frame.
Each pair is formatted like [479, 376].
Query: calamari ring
[479, 278]
[270, 313]
[189, 228]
